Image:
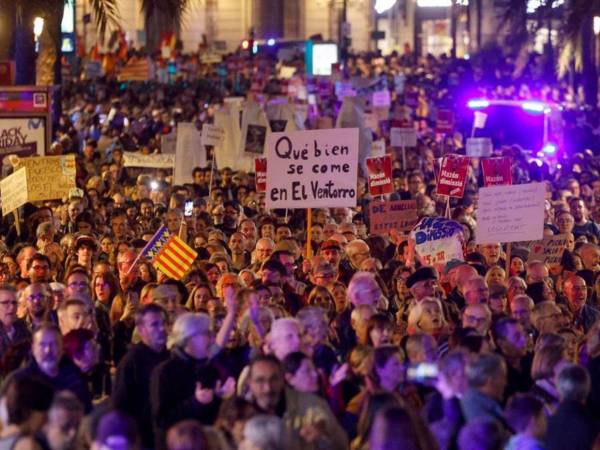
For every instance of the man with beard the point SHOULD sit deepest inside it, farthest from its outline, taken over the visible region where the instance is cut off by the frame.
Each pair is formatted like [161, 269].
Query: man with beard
[37, 299]
[271, 396]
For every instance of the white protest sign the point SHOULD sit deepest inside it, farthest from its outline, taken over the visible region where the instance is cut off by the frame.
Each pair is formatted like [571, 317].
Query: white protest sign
[381, 99]
[189, 153]
[160, 161]
[403, 137]
[378, 148]
[510, 213]
[479, 119]
[211, 134]
[480, 147]
[312, 169]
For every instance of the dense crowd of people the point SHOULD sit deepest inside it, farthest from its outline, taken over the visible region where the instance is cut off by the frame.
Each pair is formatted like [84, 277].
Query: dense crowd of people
[347, 341]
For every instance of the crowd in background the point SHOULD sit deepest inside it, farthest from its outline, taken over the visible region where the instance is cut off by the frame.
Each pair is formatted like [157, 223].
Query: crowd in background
[265, 345]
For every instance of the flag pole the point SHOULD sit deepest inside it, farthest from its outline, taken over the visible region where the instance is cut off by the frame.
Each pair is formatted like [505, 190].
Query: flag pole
[308, 232]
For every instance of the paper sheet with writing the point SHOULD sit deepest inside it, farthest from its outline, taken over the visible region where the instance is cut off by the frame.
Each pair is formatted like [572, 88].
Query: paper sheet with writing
[14, 191]
[510, 213]
[313, 168]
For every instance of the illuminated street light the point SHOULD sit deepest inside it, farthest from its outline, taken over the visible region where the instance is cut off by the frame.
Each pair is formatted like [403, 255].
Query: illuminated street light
[38, 26]
[434, 3]
[596, 25]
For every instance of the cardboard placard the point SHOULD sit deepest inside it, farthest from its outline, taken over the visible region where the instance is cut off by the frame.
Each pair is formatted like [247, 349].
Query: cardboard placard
[14, 191]
[403, 137]
[480, 147]
[211, 134]
[510, 213]
[497, 171]
[49, 177]
[312, 169]
[260, 174]
[549, 250]
[379, 170]
[438, 240]
[453, 176]
[389, 215]
[159, 161]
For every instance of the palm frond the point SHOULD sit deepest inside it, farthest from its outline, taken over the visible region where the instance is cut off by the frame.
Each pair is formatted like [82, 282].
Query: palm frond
[106, 12]
[576, 14]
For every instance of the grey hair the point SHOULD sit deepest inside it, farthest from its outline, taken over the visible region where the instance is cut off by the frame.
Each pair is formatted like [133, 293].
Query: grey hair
[188, 325]
[266, 432]
[484, 367]
[573, 383]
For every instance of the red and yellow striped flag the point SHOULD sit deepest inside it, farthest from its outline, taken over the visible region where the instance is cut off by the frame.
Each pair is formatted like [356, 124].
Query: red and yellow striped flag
[169, 254]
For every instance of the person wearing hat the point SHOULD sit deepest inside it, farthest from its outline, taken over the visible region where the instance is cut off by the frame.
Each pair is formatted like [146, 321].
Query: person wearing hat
[323, 274]
[331, 250]
[423, 283]
[85, 249]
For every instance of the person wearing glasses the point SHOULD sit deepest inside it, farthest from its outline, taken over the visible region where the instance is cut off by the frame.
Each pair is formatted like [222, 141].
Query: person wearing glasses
[12, 329]
[38, 269]
[38, 311]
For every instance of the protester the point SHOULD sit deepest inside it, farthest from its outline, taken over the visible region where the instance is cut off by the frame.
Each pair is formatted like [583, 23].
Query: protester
[262, 328]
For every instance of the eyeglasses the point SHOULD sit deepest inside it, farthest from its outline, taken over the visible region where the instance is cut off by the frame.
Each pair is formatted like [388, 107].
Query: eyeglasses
[36, 297]
[9, 303]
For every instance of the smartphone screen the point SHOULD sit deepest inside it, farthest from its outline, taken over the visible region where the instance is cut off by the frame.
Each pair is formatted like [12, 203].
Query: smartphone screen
[189, 207]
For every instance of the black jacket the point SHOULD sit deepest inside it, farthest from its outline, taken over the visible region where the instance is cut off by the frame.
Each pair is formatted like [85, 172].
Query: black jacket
[131, 390]
[69, 378]
[571, 427]
[172, 393]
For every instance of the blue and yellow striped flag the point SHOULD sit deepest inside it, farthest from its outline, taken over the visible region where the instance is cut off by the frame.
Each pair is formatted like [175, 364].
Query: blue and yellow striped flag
[169, 254]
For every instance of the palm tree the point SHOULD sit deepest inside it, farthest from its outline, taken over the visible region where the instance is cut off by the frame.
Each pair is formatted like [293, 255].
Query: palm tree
[18, 25]
[578, 46]
[163, 16]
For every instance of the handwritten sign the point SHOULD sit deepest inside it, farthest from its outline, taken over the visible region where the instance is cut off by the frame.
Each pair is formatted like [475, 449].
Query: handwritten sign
[549, 250]
[479, 147]
[510, 213]
[398, 215]
[260, 174]
[403, 137]
[49, 177]
[438, 240]
[313, 168]
[379, 170]
[160, 161]
[14, 191]
[497, 171]
[453, 176]
[211, 134]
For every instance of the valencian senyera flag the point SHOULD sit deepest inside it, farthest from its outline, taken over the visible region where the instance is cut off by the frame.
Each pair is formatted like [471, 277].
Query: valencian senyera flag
[169, 254]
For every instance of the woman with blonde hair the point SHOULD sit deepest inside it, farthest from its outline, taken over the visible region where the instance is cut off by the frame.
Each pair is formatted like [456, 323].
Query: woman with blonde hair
[547, 362]
[199, 297]
[427, 316]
